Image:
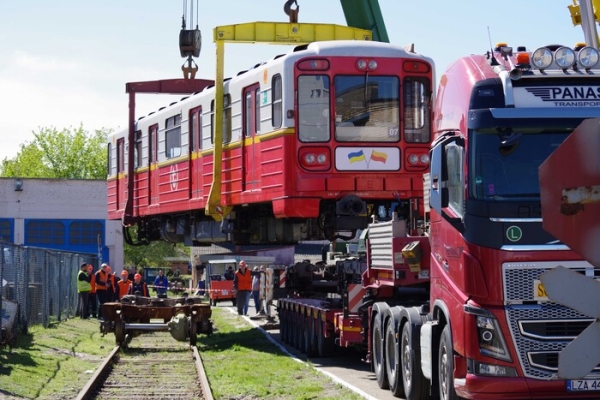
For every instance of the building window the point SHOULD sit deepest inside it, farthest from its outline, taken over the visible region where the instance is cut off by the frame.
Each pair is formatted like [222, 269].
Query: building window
[277, 105]
[6, 230]
[44, 233]
[173, 136]
[85, 233]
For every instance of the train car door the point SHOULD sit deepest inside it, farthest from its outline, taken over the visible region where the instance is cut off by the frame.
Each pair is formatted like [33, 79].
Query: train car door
[195, 158]
[251, 146]
[152, 163]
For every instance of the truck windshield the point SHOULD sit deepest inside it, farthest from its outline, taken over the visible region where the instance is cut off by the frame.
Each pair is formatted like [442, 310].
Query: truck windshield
[504, 164]
[367, 108]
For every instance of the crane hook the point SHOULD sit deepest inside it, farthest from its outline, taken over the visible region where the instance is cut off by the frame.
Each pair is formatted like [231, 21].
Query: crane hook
[292, 13]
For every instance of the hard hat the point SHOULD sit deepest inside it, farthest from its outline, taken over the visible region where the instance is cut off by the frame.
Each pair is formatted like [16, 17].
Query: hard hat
[136, 276]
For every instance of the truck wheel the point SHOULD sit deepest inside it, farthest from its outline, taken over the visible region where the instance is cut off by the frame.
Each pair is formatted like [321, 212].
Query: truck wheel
[378, 356]
[392, 360]
[446, 366]
[415, 384]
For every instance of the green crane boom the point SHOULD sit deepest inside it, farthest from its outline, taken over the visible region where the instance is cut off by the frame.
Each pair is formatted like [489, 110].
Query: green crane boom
[366, 14]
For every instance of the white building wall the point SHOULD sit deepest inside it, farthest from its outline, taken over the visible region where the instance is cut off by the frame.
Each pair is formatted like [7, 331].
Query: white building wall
[60, 199]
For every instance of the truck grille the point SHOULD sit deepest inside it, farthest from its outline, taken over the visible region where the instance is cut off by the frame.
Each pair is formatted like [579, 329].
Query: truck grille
[540, 329]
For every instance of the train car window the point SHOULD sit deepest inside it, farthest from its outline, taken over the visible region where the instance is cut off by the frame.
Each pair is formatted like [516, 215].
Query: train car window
[152, 144]
[416, 110]
[226, 119]
[137, 150]
[277, 105]
[85, 233]
[44, 232]
[367, 108]
[109, 161]
[195, 129]
[313, 108]
[257, 110]
[248, 120]
[120, 155]
[173, 136]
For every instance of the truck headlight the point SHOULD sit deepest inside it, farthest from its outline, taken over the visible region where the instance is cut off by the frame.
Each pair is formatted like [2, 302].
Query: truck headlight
[491, 340]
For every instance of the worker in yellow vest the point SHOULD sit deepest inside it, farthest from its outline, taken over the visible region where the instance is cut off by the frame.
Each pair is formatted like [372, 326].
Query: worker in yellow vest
[83, 290]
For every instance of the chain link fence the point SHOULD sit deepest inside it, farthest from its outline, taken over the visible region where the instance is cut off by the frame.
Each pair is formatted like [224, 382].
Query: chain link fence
[42, 283]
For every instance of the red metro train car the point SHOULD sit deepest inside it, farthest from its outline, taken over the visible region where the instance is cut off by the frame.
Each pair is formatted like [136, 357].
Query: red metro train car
[315, 142]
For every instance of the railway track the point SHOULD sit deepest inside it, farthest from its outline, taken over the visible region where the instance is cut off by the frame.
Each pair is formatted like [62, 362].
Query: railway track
[150, 366]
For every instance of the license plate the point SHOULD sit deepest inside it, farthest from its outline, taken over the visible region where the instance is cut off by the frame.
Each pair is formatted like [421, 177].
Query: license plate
[225, 292]
[583, 385]
[539, 292]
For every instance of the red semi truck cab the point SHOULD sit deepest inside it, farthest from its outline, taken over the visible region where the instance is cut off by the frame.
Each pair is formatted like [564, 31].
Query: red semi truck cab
[492, 332]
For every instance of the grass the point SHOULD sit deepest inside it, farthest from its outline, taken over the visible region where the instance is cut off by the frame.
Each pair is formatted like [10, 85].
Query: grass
[240, 362]
[53, 363]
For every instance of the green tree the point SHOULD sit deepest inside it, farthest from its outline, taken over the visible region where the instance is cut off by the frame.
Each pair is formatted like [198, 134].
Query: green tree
[153, 254]
[69, 153]
[78, 154]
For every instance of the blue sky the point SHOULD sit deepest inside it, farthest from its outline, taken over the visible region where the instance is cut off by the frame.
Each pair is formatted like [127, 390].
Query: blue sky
[65, 63]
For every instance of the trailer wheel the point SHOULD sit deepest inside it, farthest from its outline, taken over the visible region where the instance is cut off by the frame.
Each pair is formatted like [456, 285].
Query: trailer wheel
[309, 336]
[378, 358]
[446, 366]
[324, 345]
[282, 325]
[392, 360]
[298, 331]
[415, 384]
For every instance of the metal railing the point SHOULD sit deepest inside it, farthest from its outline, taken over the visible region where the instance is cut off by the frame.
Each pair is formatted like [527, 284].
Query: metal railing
[41, 281]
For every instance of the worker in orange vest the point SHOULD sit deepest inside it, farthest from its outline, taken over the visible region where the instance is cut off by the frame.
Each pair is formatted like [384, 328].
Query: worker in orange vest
[102, 277]
[138, 286]
[242, 283]
[111, 286]
[123, 284]
[92, 301]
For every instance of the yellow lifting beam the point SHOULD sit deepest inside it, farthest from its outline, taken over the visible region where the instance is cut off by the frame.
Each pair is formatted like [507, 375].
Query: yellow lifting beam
[267, 33]
[586, 14]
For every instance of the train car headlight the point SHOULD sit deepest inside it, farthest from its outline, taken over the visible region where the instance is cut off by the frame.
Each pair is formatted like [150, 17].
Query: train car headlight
[361, 64]
[321, 159]
[424, 158]
[413, 159]
[587, 57]
[372, 64]
[309, 158]
[564, 57]
[541, 58]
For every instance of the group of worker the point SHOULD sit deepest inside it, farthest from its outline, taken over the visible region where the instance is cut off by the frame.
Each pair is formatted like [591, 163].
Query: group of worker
[246, 283]
[95, 289]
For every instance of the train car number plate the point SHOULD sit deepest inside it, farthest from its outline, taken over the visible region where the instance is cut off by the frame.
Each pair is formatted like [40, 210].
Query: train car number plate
[583, 385]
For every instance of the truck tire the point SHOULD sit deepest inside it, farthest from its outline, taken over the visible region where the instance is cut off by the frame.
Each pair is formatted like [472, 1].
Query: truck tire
[413, 381]
[378, 357]
[392, 359]
[446, 366]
